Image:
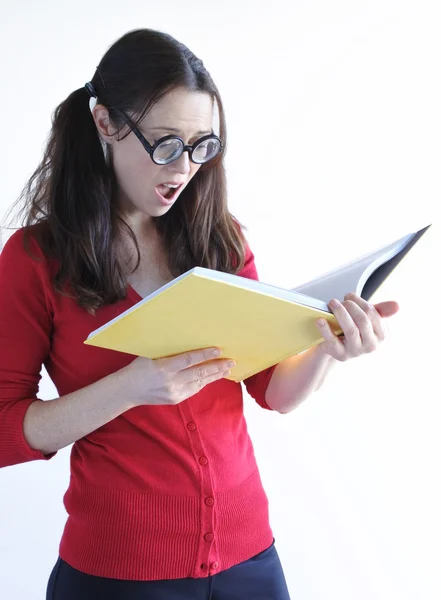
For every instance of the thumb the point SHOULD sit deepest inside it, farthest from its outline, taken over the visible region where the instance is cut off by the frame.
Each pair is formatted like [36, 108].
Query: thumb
[387, 309]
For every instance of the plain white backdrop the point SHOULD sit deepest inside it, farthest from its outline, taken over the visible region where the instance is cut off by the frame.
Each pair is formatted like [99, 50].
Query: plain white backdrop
[333, 114]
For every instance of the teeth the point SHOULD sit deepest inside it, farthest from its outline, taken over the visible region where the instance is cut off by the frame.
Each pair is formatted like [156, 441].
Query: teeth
[170, 186]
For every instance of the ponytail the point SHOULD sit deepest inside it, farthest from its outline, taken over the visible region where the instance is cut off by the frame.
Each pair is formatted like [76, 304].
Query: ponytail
[69, 195]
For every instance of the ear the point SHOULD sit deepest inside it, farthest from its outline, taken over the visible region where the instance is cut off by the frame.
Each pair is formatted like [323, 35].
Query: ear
[103, 124]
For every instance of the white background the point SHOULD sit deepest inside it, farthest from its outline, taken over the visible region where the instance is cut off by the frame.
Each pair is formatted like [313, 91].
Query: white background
[333, 111]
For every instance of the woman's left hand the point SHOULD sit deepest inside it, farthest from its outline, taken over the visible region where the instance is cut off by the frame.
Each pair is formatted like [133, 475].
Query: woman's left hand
[362, 326]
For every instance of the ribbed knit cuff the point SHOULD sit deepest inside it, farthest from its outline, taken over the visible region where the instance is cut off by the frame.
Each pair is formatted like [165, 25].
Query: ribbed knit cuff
[14, 449]
[257, 385]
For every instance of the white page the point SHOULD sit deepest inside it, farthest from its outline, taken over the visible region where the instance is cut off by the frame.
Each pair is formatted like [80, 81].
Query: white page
[352, 276]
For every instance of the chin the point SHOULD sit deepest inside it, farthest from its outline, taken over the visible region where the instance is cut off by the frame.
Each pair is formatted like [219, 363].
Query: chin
[159, 212]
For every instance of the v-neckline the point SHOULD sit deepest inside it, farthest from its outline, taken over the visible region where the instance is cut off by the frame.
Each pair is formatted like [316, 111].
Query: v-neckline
[134, 294]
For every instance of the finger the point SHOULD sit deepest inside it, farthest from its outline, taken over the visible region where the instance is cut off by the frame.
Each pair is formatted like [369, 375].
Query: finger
[196, 379]
[364, 326]
[352, 339]
[388, 308]
[207, 369]
[179, 362]
[332, 344]
[384, 309]
[372, 314]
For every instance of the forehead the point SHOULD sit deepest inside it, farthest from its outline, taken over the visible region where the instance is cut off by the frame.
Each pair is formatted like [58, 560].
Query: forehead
[183, 110]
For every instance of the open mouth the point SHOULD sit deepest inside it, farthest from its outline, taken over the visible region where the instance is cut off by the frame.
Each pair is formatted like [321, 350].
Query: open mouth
[168, 193]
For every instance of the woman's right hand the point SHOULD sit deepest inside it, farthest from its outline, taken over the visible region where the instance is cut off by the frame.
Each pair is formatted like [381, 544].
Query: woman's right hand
[174, 379]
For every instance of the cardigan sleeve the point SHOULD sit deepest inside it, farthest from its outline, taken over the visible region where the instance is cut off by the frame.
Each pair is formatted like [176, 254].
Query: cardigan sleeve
[257, 384]
[25, 334]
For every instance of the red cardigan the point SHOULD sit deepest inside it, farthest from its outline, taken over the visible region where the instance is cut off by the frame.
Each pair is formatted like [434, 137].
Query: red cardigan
[160, 492]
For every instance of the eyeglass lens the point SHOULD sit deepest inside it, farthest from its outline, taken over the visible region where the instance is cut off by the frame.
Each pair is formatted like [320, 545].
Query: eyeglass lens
[171, 150]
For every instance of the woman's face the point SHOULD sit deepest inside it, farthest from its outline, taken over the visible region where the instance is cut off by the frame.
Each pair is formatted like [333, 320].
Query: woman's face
[186, 114]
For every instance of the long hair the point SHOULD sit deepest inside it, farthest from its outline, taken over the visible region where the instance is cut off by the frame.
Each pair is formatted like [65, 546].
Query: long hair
[69, 202]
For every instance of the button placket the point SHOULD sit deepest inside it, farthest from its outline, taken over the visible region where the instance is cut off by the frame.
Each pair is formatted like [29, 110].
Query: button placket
[206, 555]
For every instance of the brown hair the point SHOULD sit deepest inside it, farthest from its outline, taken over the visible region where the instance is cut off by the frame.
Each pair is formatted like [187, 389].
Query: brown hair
[71, 195]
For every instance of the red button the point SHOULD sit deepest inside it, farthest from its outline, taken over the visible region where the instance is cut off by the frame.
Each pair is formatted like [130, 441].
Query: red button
[208, 537]
[191, 426]
[209, 501]
[215, 565]
[203, 460]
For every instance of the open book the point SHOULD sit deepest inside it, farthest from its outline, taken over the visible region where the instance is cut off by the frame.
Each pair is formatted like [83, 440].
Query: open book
[256, 324]
[365, 275]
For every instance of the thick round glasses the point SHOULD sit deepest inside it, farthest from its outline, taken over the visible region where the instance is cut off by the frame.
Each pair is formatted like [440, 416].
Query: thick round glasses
[170, 147]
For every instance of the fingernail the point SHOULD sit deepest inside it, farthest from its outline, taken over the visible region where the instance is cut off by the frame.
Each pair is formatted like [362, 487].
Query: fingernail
[334, 303]
[216, 352]
[231, 364]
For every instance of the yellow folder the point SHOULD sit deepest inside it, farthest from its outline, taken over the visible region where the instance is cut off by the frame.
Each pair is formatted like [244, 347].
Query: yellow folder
[255, 324]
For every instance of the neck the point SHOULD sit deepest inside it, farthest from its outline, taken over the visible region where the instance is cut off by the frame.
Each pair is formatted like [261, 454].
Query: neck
[146, 234]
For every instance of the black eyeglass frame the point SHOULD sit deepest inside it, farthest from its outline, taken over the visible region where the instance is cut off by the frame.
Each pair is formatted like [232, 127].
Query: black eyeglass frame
[185, 147]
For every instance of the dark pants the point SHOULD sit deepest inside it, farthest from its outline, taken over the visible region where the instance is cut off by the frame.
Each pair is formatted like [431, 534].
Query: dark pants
[259, 578]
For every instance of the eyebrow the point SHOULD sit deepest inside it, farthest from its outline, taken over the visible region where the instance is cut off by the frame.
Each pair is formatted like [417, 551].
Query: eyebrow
[173, 130]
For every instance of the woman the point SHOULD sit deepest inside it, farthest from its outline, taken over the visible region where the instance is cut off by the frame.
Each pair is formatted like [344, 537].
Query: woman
[165, 499]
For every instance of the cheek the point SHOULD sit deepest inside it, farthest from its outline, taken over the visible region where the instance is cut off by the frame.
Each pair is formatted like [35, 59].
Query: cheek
[133, 168]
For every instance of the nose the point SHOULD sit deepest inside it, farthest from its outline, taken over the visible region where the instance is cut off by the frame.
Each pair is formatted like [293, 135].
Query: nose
[182, 164]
